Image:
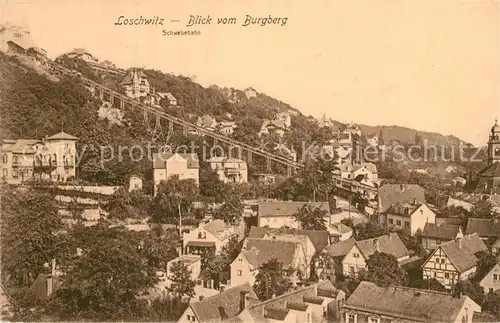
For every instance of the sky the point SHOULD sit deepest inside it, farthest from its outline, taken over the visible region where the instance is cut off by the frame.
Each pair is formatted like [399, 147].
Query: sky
[428, 65]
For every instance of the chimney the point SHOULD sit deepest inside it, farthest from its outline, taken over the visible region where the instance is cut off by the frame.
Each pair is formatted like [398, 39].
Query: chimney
[402, 187]
[243, 300]
[201, 297]
[414, 201]
[376, 243]
[53, 269]
[459, 242]
[49, 285]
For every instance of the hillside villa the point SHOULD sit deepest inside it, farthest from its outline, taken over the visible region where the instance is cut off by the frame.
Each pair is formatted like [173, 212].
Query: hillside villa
[167, 164]
[51, 158]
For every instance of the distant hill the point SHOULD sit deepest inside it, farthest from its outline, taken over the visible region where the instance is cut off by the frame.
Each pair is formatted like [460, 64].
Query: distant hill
[407, 135]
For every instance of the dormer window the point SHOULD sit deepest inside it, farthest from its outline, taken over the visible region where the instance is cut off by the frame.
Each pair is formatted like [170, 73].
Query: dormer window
[373, 319]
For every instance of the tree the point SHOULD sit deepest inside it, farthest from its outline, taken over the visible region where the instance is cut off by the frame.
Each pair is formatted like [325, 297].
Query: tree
[483, 210]
[181, 282]
[158, 249]
[271, 280]
[384, 270]
[486, 261]
[311, 218]
[171, 195]
[369, 230]
[469, 288]
[492, 304]
[31, 219]
[105, 281]
[128, 205]
[231, 250]
[232, 207]
[211, 186]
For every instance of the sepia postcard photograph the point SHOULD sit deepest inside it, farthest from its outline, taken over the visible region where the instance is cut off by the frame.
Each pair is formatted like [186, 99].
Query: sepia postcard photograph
[250, 161]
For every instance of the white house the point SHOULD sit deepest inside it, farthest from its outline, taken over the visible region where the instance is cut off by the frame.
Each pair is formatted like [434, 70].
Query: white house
[134, 183]
[259, 251]
[361, 251]
[169, 97]
[491, 282]
[214, 234]
[281, 214]
[167, 164]
[411, 217]
[230, 170]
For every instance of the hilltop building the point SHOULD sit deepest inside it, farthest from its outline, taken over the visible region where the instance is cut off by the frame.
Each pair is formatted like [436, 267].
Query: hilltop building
[51, 158]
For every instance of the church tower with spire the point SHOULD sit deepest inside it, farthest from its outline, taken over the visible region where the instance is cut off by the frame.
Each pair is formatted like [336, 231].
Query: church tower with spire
[494, 144]
[489, 178]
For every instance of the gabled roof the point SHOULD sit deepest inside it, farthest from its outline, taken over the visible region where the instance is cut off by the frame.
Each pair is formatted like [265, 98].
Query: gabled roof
[298, 300]
[80, 51]
[483, 227]
[390, 244]
[491, 171]
[441, 231]
[288, 208]
[206, 121]
[260, 251]
[19, 145]
[219, 229]
[404, 209]
[461, 252]
[223, 306]
[62, 136]
[159, 159]
[340, 249]
[407, 303]
[319, 238]
[485, 279]
[391, 194]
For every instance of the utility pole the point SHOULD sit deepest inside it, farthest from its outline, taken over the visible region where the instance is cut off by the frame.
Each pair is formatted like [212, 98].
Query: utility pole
[180, 227]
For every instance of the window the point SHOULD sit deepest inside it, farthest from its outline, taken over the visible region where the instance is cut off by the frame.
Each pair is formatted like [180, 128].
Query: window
[350, 318]
[434, 274]
[443, 260]
[438, 241]
[239, 273]
[14, 173]
[407, 224]
[495, 276]
[356, 255]
[18, 35]
[4, 159]
[398, 222]
[373, 320]
[189, 317]
[239, 259]
[446, 275]
[351, 269]
[391, 221]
